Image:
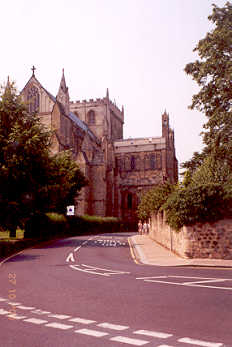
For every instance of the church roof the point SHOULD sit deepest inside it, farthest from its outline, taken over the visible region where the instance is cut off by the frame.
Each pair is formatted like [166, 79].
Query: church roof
[83, 126]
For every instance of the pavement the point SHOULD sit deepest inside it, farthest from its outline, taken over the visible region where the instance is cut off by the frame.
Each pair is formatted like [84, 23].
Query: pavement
[146, 251]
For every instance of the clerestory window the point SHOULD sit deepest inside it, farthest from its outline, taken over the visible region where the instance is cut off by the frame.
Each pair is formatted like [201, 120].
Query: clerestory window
[91, 117]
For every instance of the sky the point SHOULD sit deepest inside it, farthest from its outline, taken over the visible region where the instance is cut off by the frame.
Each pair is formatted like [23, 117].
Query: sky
[138, 49]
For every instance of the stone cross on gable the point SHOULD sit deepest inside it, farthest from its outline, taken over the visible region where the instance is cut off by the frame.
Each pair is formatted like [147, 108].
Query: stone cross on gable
[33, 70]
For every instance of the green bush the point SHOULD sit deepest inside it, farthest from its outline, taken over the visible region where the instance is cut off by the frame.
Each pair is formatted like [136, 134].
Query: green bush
[197, 204]
[152, 200]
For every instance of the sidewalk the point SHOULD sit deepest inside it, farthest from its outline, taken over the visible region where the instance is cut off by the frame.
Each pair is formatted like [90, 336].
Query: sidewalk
[146, 251]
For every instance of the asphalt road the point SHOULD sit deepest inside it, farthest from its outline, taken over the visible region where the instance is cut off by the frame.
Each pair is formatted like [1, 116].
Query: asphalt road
[88, 291]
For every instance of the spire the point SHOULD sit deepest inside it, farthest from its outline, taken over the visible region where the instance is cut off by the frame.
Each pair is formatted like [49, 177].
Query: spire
[8, 85]
[63, 86]
[122, 109]
[107, 93]
[63, 95]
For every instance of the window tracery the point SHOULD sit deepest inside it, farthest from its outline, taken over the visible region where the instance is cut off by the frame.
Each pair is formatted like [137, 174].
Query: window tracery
[91, 117]
[33, 100]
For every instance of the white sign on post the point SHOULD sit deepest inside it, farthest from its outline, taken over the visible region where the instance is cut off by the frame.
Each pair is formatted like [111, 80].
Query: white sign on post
[70, 210]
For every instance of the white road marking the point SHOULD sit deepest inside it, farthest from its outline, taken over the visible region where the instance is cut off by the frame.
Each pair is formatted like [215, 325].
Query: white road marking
[90, 332]
[2, 311]
[81, 320]
[96, 270]
[165, 346]
[14, 303]
[129, 341]
[196, 284]
[199, 343]
[16, 316]
[59, 326]
[59, 316]
[153, 334]
[1, 299]
[25, 307]
[76, 249]
[40, 312]
[70, 257]
[35, 321]
[112, 326]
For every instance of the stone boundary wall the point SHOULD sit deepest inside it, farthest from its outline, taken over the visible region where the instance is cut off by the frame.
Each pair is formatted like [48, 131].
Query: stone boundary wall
[198, 241]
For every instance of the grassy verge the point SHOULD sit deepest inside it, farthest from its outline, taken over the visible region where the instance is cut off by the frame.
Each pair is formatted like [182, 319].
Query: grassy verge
[52, 226]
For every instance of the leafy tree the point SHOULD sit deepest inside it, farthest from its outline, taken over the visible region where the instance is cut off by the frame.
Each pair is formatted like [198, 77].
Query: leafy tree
[197, 204]
[152, 200]
[213, 74]
[31, 179]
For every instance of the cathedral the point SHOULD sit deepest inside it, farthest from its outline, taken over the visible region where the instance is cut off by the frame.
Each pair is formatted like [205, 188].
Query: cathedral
[118, 170]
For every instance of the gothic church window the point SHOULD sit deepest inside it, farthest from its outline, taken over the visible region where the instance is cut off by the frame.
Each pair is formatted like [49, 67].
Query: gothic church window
[133, 163]
[152, 161]
[91, 117]
[147, 162]
[129, 201]
[33, 100]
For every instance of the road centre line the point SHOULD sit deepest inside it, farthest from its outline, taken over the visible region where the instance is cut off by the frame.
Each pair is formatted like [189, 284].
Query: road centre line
[153, 334]
[16, 316]
[59, 326]
[112, 326]
[90, 332]
[35, 320]
[199, 342]
[208, 281]
[2, 311]
[82, 321]
[59, 316]
[97, 333]
[130, 341]
[25, 308]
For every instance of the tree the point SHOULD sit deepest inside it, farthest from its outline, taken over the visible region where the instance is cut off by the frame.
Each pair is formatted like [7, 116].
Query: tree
[213, 74]
[152, 200]
[31, 179]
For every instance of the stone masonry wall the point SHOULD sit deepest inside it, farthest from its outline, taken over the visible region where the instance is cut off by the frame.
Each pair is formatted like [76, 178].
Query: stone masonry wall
[198, 241]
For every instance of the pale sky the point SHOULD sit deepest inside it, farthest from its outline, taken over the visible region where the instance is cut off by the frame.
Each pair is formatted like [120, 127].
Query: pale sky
[136, 48]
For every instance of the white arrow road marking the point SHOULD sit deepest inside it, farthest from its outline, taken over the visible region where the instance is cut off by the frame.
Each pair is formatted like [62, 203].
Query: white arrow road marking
[70, 257]
[97, 270]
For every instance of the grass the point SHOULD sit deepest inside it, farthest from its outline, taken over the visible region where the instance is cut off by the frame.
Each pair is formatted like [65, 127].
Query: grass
[5, 235]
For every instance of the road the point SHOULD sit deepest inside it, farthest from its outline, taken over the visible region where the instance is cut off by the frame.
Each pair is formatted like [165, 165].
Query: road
[88, 291]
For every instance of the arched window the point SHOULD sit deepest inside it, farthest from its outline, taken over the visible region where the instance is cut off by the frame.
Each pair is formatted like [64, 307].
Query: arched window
[133, 163]
[91, 117]
[127, 163]
[33, 100]
[129, 201]
[147, 162]
[152, 161]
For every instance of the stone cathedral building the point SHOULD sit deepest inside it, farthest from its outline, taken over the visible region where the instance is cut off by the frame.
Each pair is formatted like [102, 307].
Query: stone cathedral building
[117, 169]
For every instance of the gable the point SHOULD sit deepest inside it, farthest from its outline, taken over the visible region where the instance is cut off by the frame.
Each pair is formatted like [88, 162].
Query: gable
[37, 97]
